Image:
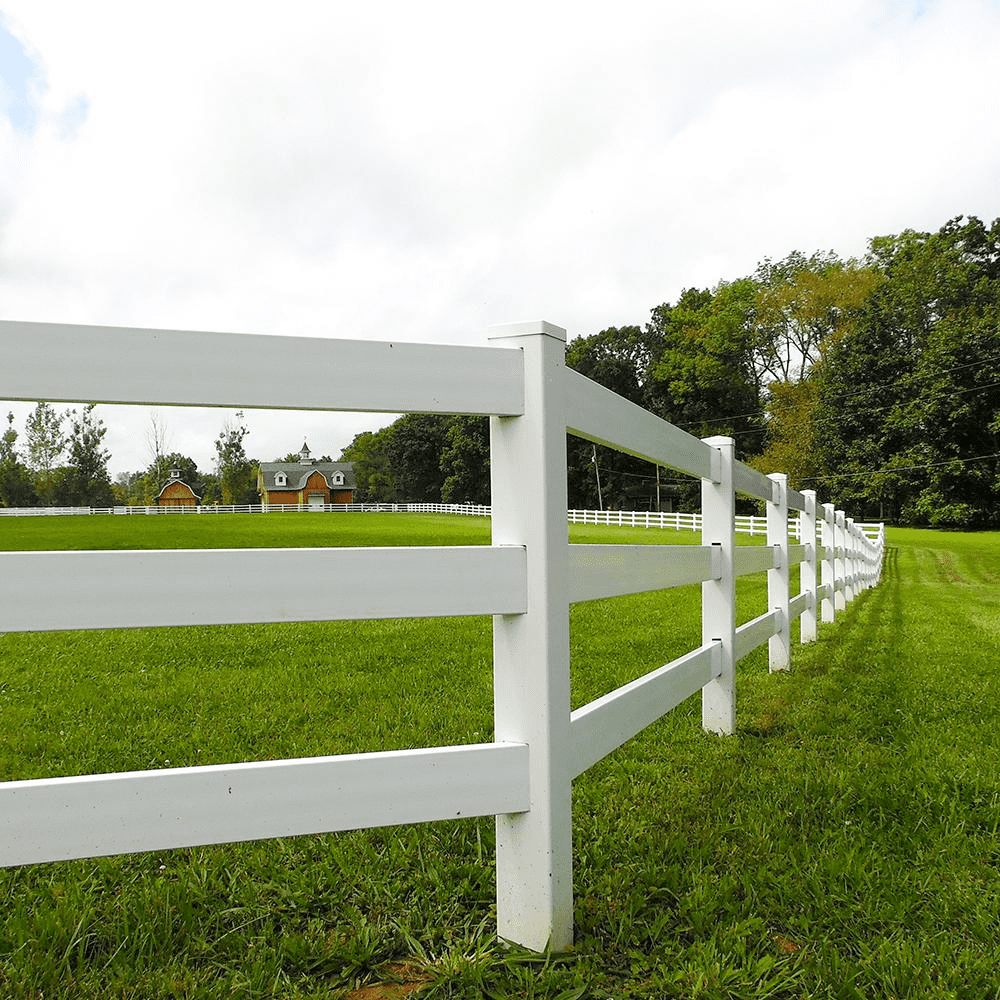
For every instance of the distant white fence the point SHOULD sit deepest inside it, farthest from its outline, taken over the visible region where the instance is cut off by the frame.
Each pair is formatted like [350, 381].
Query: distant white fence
[746, 524]
[272, 508]
[526, 579]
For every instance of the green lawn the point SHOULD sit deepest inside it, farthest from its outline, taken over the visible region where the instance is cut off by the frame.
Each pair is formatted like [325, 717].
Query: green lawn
[843, 844]
[240, 531]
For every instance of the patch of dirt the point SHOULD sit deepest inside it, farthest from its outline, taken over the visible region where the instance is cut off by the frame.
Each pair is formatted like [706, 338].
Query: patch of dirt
[786, 945]
[403, 979]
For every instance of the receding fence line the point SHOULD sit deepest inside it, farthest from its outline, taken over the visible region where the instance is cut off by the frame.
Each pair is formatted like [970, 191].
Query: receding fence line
[526, 579]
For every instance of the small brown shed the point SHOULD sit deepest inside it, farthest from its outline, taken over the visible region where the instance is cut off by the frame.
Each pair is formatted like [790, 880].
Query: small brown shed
[177, 493]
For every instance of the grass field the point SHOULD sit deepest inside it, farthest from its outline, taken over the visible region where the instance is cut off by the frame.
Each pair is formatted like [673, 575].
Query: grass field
[843, 844]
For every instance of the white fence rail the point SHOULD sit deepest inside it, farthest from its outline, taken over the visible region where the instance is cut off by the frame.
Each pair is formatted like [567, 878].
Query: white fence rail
[526, 579]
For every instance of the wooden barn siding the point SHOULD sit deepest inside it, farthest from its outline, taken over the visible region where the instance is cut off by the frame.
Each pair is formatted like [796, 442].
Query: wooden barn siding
[178, 495]
[314, 484]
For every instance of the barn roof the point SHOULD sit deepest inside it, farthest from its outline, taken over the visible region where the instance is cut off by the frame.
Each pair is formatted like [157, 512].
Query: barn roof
[173, 482]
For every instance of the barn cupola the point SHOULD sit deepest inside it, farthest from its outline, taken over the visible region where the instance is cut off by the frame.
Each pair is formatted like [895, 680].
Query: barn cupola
[175, 474]
[304, 455]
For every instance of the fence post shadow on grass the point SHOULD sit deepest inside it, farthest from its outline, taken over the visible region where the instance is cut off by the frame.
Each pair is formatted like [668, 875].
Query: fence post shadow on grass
[848, 672]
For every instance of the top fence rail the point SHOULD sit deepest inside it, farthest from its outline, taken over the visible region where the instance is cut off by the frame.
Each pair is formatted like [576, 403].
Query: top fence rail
[70, 364]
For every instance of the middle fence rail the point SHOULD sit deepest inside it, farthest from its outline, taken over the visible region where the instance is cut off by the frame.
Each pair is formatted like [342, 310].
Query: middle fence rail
[526, 579]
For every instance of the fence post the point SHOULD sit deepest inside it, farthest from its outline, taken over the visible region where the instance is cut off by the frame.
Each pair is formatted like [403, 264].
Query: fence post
[531, 690]
[718, 597]
[779, 645]
[807, 568]
[850, 560]
[829, 563]
[840, 561]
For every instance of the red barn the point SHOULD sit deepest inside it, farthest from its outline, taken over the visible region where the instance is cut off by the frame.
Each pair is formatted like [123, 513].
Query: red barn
[306, 482]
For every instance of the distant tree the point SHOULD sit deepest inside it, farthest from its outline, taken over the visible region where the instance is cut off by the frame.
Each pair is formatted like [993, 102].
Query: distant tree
[704, 379]
[156, 444]
[86, 482]
[800, 303]
[707, 381]
[465, 461]
[46, 443]
[211, 489]
[373, 477]
[294, 457]
[621, 359]
[129, 488]
[417, 455]
[16, 488]
[234, 469]
[792, 431]
[8, 441]
[414, 445]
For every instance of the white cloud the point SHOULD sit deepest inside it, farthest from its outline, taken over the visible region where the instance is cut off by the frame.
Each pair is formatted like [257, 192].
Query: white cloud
[419, 171]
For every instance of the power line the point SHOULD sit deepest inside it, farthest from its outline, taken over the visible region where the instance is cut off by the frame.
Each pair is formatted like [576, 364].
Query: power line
[902, 468]
[649, 476]
[902, 385]
[889, 406]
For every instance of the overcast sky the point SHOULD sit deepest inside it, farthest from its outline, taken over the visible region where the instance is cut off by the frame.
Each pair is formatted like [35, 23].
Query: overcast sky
[420, 171]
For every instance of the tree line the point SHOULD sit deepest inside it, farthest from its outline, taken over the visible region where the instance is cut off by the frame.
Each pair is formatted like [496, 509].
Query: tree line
[875, 381]
[62, 462]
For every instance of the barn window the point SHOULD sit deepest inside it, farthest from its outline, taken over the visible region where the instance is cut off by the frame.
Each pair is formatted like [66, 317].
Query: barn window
[338, 479]
[280, 479]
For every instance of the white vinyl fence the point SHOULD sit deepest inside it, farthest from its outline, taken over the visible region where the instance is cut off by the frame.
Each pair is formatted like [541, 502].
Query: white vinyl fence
[526, 579]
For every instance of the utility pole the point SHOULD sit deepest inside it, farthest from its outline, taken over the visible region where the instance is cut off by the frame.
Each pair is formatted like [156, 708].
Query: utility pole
[597, 472]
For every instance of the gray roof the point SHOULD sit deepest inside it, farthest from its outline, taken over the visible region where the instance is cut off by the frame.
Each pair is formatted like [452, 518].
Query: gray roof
[298, 473]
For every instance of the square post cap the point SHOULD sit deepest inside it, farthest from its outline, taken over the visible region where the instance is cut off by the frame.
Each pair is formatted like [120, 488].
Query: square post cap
[531, 328]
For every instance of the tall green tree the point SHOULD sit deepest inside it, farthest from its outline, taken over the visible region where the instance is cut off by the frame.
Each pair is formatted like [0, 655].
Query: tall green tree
[791, 433]
[235, 470]
[621, 359]
[801, 302]
[156, 443]
[374, 482]
[707, 380]
[129, 488]
[16, 488]
[46, 442]
[414, 445]
[86, 482]
[465, 461]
